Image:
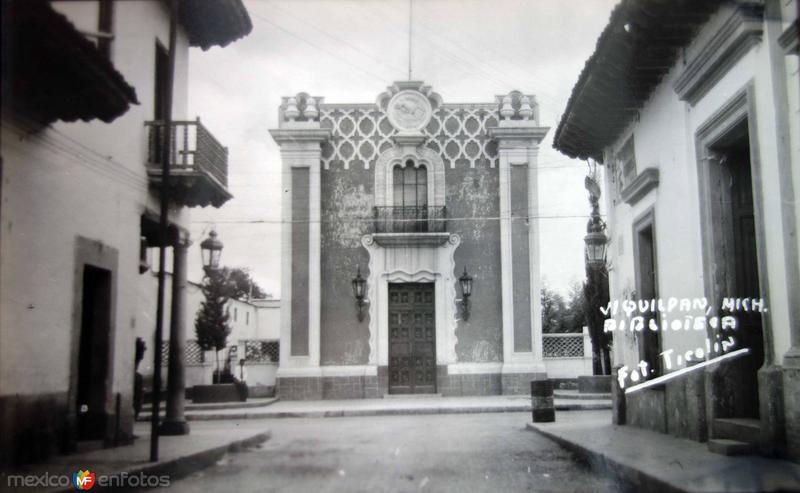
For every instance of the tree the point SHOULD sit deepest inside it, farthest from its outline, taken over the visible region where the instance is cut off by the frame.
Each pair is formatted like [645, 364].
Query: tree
[596, 295]
[553, 307]
[211, 325]
[244, 286]
[575, 313]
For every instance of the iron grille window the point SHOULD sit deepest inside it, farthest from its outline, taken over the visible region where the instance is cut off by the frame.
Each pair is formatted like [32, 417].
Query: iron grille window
[261, 351]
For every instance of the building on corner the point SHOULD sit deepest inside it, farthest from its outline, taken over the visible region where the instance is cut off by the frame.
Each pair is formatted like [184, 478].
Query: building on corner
[411, 194]
[84, 86]
[693, 109]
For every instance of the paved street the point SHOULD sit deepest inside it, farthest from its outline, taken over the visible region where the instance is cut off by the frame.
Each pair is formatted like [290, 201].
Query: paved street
[466, 452]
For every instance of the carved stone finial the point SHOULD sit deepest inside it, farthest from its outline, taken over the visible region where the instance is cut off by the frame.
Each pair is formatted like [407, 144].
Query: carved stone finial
[525, 110]
[311, 112]
[507, 111]
[291, 112]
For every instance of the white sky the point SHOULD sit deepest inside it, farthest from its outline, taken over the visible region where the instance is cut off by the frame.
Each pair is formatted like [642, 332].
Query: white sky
[348, 52]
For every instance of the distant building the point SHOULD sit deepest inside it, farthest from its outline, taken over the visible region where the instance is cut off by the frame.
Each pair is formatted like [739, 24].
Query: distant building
[693, 108]
[409, 193]
[80, 205]
[254, 337]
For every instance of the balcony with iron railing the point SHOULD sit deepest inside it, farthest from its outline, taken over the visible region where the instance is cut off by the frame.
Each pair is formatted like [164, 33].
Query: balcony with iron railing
[402, 225]
[198, 163]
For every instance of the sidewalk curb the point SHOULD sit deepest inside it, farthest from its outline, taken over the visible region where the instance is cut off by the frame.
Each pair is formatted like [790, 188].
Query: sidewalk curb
[639, 480]
[571, 406]
[183, 466]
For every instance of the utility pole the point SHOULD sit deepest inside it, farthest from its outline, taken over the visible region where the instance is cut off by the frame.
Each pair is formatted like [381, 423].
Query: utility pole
[164, 229]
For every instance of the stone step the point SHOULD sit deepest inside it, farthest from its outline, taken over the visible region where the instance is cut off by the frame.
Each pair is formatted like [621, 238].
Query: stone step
[741, 429]
[725, 446]
[574, 394]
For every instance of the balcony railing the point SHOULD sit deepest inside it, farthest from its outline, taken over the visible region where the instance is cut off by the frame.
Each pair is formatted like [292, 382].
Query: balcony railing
[410, 219]
[198, 162]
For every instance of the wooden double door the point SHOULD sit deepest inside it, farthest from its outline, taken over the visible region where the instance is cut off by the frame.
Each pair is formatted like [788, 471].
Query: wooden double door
[412, 338]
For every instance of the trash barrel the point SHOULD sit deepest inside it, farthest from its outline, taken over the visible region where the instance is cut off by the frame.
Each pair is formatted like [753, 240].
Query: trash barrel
[542, 401]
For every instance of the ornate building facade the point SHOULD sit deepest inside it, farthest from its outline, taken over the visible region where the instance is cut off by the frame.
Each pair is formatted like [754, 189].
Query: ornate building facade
[410, 246]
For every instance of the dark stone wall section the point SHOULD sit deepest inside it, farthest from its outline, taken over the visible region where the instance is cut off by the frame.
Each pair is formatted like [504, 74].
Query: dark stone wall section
[677, 408]
[520, 383]
[371, 387]
[791, 394]
[300, 388]
[34, 427]
[356, 387]
[300, 256]
[646, 409]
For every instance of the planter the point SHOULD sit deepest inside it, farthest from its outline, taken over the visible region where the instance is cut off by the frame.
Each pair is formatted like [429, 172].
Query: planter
[223, 392]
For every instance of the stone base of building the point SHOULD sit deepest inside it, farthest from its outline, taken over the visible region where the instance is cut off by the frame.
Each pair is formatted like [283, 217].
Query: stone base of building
[680, 407]
[368, 386]
[35, 427]
[791, 406]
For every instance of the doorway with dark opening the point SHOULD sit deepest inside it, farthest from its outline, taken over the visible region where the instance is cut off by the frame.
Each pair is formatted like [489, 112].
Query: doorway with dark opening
[94, 354]
[735, 256]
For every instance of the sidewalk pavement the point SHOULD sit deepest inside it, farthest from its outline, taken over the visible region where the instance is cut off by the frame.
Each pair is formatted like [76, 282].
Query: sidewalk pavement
[394, 405]
[654, 461]
[179, 456]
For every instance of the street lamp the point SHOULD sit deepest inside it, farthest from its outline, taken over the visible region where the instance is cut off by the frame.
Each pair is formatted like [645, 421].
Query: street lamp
[211, 250]
[595, 239]
[466, 291]
[595, 249]
[359, 283]
[596, 286]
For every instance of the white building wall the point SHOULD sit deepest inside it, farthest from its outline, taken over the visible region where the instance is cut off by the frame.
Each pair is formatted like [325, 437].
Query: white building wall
[79, 179]
[665, 139]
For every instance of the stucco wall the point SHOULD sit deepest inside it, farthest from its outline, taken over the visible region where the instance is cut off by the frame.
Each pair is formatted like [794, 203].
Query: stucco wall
[347, 201]
[346, 215]
[472, 197]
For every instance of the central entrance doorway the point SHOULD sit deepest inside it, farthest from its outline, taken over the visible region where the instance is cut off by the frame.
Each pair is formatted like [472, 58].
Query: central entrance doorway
[412, 338]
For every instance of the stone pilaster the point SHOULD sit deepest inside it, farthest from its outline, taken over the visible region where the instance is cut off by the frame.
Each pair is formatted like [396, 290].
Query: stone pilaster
[518, 136]
[300, 138]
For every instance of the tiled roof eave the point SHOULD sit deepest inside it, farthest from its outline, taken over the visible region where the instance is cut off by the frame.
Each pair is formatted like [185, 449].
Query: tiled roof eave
[626, 66]
[214, 22]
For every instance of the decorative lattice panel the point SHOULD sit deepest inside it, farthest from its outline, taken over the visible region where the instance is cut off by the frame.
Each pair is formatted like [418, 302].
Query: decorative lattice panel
[563, 346]
[361, 133]
[261, 351]
[194, 355]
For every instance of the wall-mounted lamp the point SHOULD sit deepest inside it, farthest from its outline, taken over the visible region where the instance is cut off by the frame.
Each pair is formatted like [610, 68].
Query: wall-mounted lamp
[359, 283]
[466, 290]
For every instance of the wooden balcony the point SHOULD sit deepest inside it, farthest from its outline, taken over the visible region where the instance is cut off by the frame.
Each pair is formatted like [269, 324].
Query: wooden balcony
[198, 163]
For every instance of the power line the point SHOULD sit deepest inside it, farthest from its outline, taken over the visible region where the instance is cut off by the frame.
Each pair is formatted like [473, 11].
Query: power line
[372, 220]
[329, 52]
